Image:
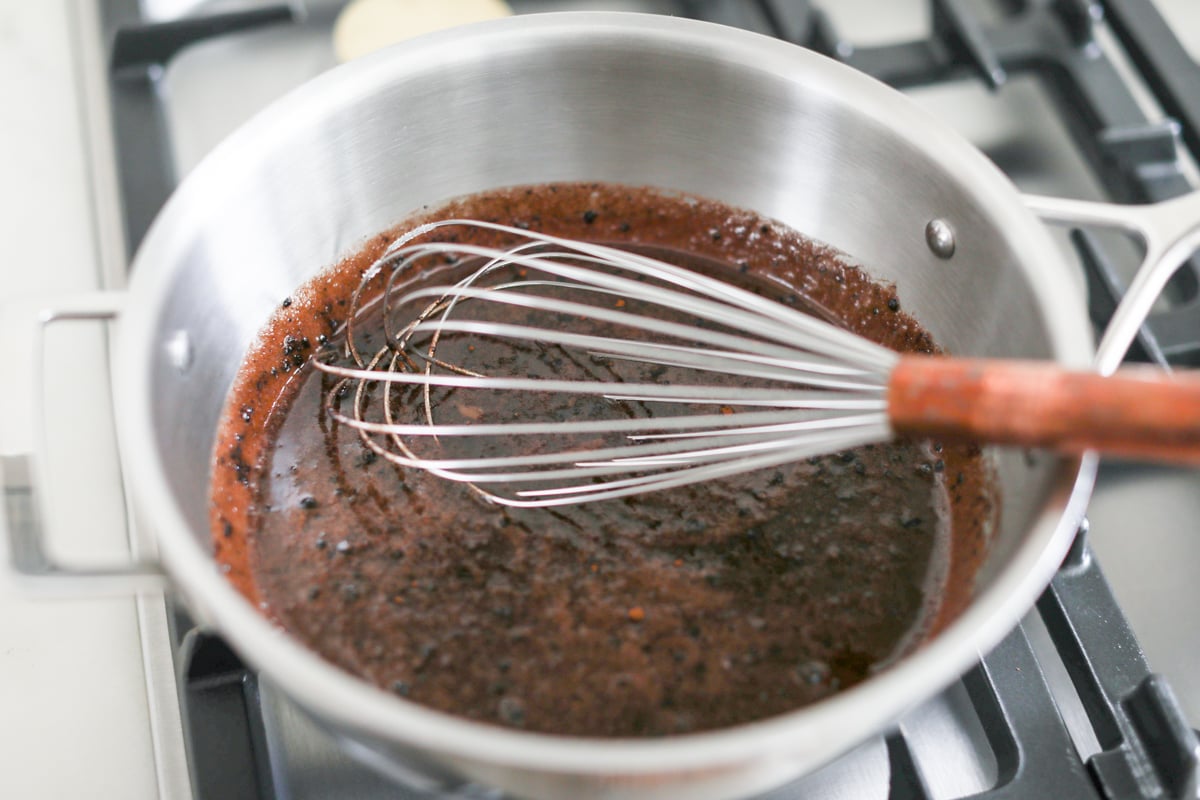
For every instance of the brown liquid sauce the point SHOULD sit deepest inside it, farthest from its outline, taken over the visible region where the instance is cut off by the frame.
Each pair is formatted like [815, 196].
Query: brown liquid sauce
[685, 610]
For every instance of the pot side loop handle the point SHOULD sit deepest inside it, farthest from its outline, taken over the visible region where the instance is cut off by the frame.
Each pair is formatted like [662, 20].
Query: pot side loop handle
[29, 560]
[1170, 232]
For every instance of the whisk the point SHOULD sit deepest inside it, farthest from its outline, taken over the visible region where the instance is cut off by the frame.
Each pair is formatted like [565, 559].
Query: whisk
[605, 372]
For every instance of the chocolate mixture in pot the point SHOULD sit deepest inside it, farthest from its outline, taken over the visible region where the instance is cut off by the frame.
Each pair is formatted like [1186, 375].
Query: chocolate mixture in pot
[685, 610]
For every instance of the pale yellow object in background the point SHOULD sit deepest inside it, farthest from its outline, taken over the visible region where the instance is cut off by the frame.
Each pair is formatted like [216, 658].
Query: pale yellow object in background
[367, 25]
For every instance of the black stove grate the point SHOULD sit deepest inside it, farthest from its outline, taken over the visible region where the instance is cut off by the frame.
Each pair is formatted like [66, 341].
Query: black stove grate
[1146, 749]
[1136, 159]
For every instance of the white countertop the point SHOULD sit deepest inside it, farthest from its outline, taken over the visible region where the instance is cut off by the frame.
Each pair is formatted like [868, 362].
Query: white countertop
[74, 720]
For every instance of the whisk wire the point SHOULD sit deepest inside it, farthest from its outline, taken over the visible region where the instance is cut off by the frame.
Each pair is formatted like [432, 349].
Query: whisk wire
[789, 452]
[692, 394]
[782, 325]
[797, 370]
[825, 385]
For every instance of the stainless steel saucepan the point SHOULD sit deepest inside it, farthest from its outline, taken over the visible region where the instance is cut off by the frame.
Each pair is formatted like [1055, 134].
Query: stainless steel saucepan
[703, 109]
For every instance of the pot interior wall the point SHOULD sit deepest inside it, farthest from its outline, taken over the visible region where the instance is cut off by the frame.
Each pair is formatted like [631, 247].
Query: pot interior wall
[772, 131]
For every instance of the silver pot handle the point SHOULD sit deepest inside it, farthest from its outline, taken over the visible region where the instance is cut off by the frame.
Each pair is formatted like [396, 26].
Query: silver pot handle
[28, 557]
[1170, 231]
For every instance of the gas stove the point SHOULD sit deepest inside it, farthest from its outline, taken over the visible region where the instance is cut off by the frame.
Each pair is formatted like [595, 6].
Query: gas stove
[1075, 98]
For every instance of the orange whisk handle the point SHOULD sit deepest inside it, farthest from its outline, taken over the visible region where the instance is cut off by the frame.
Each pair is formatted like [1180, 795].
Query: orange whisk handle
[1140, 413]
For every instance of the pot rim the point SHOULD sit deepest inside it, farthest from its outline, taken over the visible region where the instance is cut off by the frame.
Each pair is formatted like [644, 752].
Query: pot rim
[810, 734]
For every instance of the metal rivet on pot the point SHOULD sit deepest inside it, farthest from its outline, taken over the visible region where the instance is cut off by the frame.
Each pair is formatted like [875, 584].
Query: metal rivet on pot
[179, 350]
[940, 238]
